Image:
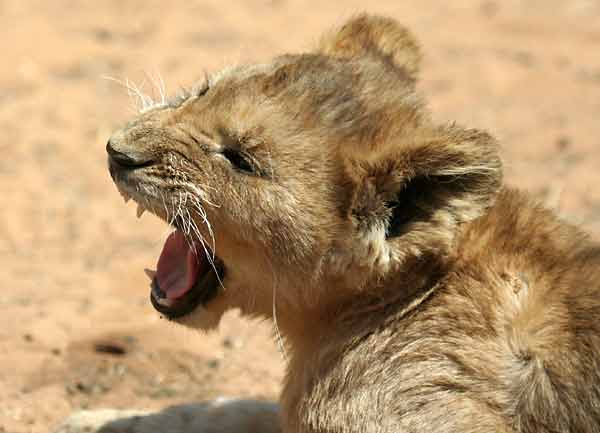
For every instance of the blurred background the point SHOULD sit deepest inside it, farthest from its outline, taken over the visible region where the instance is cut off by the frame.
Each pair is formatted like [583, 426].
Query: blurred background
[76, 327]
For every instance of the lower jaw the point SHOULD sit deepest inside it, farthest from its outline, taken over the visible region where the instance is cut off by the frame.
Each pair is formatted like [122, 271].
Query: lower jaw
[205, 289]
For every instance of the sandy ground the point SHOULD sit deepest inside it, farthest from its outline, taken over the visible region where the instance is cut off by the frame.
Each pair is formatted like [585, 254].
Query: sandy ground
[76, 328]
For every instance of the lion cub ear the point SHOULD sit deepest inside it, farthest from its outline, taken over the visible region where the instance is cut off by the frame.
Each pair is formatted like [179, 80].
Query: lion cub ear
[411, 196]
[376, 37]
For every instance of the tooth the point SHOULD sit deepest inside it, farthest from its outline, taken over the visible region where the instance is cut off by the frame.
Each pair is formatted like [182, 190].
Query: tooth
[150, 273]
[140, 210]
[125, 196]
[166, 302]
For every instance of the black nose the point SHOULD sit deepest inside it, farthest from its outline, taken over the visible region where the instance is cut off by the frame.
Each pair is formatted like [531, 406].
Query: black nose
[126, 157]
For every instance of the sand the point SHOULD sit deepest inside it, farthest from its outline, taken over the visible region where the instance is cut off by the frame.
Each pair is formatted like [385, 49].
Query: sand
[76, 329]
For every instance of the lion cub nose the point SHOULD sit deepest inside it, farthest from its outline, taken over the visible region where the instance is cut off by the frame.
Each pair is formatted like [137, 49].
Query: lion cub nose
[124, 155]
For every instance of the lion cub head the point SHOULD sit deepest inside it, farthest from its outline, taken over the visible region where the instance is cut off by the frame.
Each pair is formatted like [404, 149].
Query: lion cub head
[311, 177]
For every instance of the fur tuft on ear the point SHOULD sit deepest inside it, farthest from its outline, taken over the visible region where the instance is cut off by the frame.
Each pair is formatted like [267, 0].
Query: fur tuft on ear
[411, 197]
[379, 37]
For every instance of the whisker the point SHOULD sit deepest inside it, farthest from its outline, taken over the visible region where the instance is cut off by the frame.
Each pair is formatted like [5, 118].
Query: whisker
[212, 264]
[133, 96]
[280, 344]
[201, 195]
[145, 100]
[196, 198]
[159, 84]
[202, 213]
[163, 89]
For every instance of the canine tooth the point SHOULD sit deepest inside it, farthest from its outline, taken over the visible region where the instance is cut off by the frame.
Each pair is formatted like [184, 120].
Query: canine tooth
[125, 196]
[150, 273]
[165, 302]
[140, 210]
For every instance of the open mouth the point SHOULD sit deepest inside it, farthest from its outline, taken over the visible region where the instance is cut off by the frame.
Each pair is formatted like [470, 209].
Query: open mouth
[186, 276]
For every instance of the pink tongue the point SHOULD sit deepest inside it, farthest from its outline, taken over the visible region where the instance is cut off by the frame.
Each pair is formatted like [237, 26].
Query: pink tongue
[178, 266]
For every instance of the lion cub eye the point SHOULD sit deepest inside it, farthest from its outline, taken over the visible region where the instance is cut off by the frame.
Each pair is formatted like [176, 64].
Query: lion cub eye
[239, 160]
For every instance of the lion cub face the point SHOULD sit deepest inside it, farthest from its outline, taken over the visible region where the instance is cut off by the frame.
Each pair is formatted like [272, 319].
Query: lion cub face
[316, 174]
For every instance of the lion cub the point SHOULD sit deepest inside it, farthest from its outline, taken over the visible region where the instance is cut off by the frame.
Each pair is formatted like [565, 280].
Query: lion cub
[414, 293]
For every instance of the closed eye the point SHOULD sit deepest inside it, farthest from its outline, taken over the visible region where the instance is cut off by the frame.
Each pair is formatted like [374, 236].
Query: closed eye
[239, 160]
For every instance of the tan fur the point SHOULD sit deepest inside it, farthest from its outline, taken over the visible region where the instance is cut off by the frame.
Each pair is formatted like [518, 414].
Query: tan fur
[414, 293]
